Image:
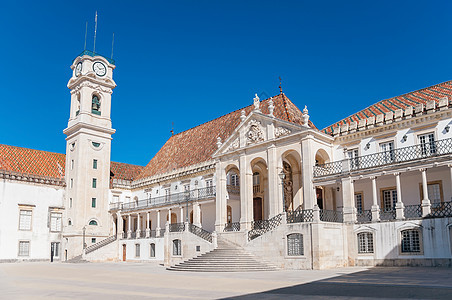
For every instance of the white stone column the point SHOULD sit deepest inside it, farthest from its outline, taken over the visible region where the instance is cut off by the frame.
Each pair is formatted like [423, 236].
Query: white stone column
[399, 205]
[220, 199]
[307, 161]
[425, 204]
[138, 225]
[375, 207]
[129, 225]
[275, 201]
[169, 216]
[119, 232]
[197, 214]
[148, 230]
[182, 217]
[157, 229]
[348, 198]
[246, 194]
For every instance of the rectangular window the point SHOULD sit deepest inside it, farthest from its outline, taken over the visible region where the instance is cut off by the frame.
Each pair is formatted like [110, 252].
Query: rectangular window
[137, 250]
[152, 249]
[365, 242]
[25, 219]
[209, 185]
[411, 241]
[427, 143]
[435, 193]
[93, 240]
[295, 244]
[387, 152]
[389, 199]
[167, 194]
[70, 202]
[72, 164]
[55, 248]
[177, 247]
[94, 163]
[24, 248]
[93, 202]
[235, 179]
[55, 221]
[72, 183]
[359, 202]
[94, 183]
[353, 156]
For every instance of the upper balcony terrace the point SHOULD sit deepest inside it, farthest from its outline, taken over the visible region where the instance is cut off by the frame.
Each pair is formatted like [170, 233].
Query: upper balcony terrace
[171, 199]
[434, 150]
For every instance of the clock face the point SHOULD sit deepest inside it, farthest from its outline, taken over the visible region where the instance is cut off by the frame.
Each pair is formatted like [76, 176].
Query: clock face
[99, 68]
[78, 69]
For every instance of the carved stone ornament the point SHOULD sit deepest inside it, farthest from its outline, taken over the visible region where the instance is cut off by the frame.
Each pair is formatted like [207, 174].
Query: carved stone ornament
[256, 102]
[234, 145]
[281, 131]
[255, 133]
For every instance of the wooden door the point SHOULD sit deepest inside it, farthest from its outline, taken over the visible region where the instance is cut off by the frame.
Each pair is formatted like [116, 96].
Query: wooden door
[124, 252]
[257, 208]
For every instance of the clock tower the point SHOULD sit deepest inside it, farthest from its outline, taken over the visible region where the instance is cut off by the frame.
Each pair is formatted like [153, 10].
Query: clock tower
[88, 147]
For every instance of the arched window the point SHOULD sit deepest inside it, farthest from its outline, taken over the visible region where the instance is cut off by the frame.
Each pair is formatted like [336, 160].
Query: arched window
[93, 222]
[95, 107]
[233, 179]
[152, 250]
[69, 222]
[365, 242]
[411, 241]
[295, 244]
[177, 247]
[256, 178]
[77, 109]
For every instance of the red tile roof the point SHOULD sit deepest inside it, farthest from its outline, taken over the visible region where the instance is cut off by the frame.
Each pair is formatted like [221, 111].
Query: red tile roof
[434, 92]
[50, 164]
[196, 145]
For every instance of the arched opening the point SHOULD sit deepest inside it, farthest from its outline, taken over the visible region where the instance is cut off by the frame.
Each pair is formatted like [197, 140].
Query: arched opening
[77, 105]
[173, 218]
[260, 189]
[95, 105]
[233, 196]
[93, 223]
[321, 157]
[291, 167]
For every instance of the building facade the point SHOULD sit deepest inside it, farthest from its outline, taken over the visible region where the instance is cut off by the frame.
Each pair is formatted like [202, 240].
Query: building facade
[372, 189]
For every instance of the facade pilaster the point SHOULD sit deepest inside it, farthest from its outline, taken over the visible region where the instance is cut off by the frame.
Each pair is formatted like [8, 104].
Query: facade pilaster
[148, 230]
[348, 196]
[129, 226]
[138, 232]
[220, 201]
[157, 229]
[307, 161]
[275, 203]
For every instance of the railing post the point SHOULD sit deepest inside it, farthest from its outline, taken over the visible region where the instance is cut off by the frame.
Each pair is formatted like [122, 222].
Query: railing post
[425, 204]
[284, 218]
[129, 224]
[148, 230]
[214, 239]
[375, 209]
[157, 229]
[186, 227]
[316, 214]
[400, 214]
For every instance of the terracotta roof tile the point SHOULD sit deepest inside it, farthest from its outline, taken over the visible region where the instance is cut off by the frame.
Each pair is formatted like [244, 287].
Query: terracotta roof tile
[196, 145]
[435, 93]
[125, 171]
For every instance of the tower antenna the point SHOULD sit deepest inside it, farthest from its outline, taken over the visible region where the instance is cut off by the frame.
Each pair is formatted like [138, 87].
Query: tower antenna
[280, 88]
[86, 33]
[112, 44]
[172, 128]
[95, 32]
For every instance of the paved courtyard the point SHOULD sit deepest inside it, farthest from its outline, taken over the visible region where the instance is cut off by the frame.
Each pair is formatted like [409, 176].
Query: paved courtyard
[144, 280]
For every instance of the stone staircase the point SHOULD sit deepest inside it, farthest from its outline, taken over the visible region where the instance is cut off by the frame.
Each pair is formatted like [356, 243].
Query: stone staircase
[76, 260]
[225, 258]
[100, 244]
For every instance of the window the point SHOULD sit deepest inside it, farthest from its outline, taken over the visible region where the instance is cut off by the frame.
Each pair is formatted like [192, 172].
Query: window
[72, 183]
[25, 219]
[411, 242]
[209, 185]
[72, 164]
[353, 156]
[93, 202]
[93, 222]
[94, 183]
[95, 108]
[69, 222]
[94, 163]
[177, 247]
[435, 193]
[295, 244]
[365, 242]
[55, 221]
[427, 143]
[137, 250]
[359, 202]
[95, 144]
[234, 179]
[55, 249]
[70, 202]
[93, 240]
[24, 248]
[387, 150]
[256, 182]
[167, 194]
[152, 250]
[389, 199]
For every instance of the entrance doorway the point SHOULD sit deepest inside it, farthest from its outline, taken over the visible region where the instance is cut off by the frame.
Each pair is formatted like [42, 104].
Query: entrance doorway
[319, 194]
[124, 252]
[257, 209]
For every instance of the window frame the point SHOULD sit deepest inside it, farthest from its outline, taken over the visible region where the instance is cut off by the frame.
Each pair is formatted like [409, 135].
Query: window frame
[95, 164]
[24, 209]
[137, 250]
[152, 252]
[60, 222]
[95, 221]
[420, 238]
[94, 183]
[367, 250]
[441, 192]
[291, 250]
[29, 248]
[93, 202]
[177, 247]
[419, 135]
[362, 201]
[393, 203]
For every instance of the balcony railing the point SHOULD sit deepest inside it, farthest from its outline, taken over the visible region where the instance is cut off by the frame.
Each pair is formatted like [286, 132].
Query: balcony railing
[204, 234]
[331, 216]
[387, 215]
[232, 226]
[439, 210]
[262, 226]
[406, 154]
[179, 198]
[233, 189]
[177, 227]
[364, 216]
[412, 211]
[300, 216]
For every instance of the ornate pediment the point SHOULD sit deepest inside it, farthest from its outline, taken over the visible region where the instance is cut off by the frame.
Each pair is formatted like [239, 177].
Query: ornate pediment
[282, 131]
[255, 132]
[234, 145]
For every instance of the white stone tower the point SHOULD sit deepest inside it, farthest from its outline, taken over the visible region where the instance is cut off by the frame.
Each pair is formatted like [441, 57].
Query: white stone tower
[88, 153]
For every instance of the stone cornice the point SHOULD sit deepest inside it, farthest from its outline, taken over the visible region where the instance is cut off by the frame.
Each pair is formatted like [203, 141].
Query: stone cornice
[38, 179]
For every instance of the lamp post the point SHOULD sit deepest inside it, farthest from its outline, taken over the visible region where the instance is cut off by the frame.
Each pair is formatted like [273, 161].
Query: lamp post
[282, 176]
[84, 244]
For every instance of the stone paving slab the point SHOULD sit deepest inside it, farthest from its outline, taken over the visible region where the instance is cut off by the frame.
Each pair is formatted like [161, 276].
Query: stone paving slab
[147, 280]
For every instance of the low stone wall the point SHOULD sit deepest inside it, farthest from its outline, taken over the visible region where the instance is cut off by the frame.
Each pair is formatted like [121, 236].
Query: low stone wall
[190, 245]
[106, 253]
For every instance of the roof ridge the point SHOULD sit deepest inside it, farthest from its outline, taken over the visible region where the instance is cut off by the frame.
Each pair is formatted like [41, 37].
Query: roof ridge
[386, 99]
[32, 149]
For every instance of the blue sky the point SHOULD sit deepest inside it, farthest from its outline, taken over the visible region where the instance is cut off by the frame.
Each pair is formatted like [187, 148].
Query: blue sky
[188, 62]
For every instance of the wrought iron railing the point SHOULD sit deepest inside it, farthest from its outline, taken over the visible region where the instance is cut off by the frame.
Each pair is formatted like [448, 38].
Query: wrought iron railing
[162, 232]
[123, 235]
[412, 211]
[331, 216]
[256, 188]
[91, 53]
[262, 226]
[179, 198]
[406, 154]
[440, 210]
[232, 226]
[100, 244]
[387, 215]
[177, 227]
[233, 189]
[300, 216]
[152, 233]
[364, 216]
[115, 206]
[204, 234]
[133, 235]
[142, 234]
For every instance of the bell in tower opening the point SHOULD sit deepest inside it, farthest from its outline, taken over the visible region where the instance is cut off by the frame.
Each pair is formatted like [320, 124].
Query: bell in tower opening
[95, 108]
